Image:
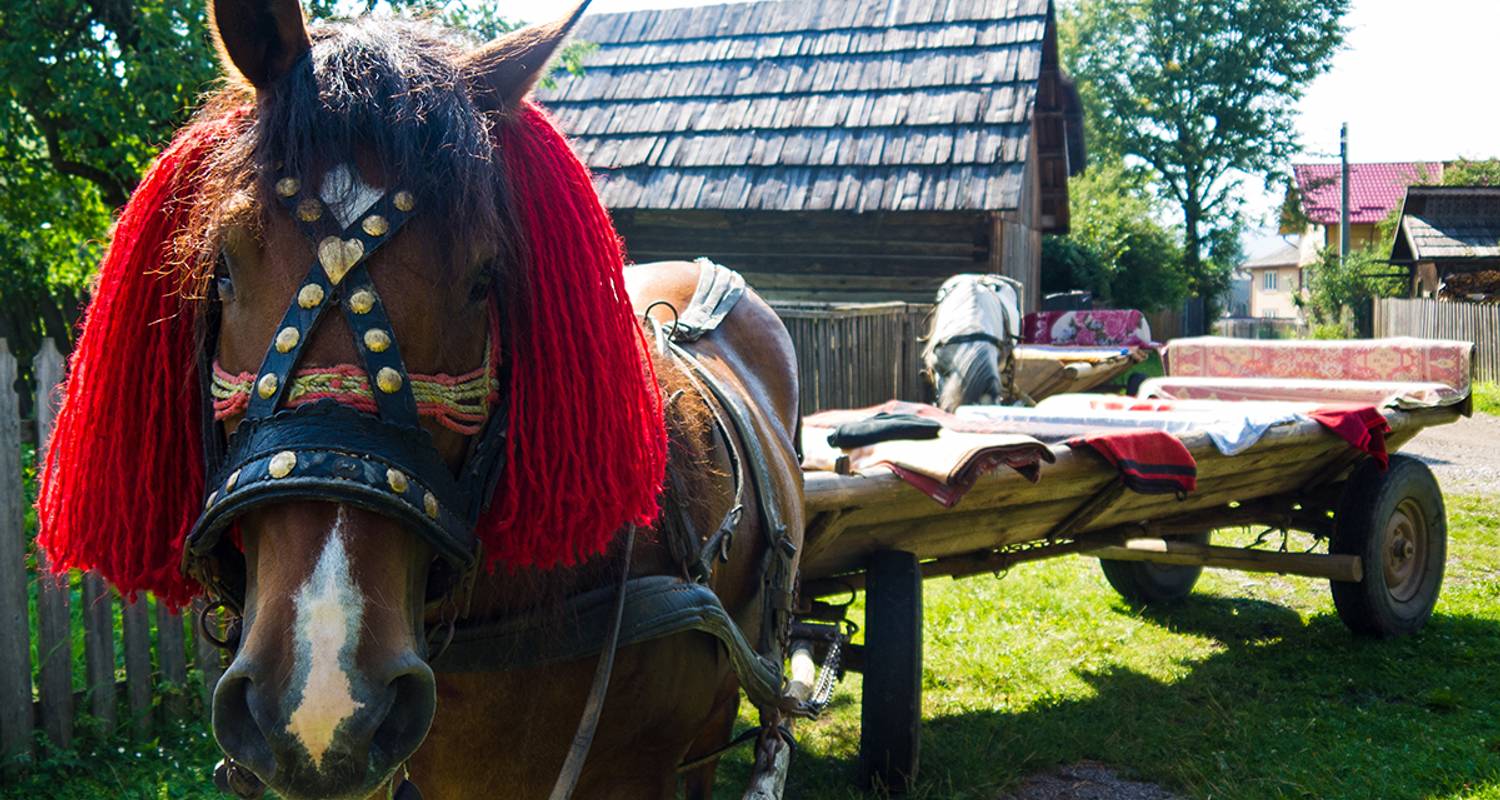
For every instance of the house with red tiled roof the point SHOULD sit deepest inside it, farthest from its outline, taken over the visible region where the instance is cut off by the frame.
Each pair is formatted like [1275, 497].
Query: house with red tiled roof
[1375, 191]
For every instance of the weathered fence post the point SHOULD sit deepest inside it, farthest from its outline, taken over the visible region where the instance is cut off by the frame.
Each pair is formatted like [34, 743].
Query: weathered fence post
[137, 640]
[15, 628]
[171, 655]
[54, 639]
[99, 650]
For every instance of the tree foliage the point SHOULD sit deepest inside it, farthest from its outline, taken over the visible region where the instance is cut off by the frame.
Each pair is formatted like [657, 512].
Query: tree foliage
[1203, 92]
[1337, 288]
[93, 89]
[1117, 249]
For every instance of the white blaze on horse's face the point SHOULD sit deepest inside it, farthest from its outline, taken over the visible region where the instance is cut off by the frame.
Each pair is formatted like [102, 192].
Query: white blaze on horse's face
[347, 195]
[329, 613]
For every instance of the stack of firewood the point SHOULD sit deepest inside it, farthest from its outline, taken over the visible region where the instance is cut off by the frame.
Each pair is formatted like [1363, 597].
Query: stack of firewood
[1481, 287]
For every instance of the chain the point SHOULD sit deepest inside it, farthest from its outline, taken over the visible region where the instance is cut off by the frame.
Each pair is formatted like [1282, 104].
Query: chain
[828, 677]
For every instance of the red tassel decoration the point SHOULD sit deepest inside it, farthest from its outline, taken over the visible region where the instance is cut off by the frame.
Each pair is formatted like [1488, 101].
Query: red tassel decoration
[587, 446]
[123, 480]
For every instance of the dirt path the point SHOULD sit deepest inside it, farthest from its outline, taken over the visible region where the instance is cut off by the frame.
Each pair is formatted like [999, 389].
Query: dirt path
[1465, 455]
[1086, 780]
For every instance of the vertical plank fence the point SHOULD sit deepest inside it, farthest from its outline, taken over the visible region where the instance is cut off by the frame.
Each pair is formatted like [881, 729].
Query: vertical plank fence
[54, 622]
[1444, 319]
[15, 619]
[151, 650]
[851, 355]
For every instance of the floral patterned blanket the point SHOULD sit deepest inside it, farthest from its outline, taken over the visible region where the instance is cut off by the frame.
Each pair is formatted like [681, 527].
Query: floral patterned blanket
[1087, 328]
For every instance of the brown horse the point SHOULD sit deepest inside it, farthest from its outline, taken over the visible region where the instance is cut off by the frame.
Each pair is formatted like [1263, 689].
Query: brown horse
[329, 693]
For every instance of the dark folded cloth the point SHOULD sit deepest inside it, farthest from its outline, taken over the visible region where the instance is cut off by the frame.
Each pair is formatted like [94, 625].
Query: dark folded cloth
[1362, 426]
[883, 427]
[1150, 461]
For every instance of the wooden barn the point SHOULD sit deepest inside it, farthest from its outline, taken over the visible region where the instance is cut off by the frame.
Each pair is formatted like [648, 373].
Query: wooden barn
[848, 150]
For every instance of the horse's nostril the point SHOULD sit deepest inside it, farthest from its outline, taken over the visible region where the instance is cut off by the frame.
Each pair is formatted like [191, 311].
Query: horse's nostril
[412, 708]
[235, 725]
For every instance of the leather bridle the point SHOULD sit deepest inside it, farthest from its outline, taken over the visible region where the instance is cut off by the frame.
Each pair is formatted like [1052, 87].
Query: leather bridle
[328, 451]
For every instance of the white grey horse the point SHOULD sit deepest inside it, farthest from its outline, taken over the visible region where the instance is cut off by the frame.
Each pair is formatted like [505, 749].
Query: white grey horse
[971, 344]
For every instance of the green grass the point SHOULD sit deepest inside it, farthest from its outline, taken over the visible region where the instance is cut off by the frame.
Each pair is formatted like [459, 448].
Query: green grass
[1250, 689]
[1487, 398]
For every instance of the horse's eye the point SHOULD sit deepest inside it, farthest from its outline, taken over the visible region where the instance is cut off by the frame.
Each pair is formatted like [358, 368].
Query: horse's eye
[223, 283]
[480, 291]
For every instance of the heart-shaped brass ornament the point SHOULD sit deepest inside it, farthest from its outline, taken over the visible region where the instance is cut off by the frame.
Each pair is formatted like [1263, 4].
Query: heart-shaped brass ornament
[338, 256]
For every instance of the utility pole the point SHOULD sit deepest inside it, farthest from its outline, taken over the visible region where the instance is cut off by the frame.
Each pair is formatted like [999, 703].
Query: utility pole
[1344, 193]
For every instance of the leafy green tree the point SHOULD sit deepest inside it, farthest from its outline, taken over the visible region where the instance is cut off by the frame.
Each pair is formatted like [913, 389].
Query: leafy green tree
[1337, 288]
[1117, 249]
[1203, 92]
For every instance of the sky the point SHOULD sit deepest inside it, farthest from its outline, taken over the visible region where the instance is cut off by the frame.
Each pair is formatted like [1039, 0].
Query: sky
[1415, 81]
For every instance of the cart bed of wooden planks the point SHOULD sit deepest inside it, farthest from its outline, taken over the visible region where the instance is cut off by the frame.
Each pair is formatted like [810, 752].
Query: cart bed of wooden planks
[1386, 535]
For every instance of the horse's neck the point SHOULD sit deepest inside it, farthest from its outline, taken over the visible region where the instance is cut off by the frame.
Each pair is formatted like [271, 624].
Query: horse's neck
[695, 477]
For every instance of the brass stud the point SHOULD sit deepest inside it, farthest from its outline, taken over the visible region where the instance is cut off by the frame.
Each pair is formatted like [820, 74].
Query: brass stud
[267, 386]
[396, 479]
[212, 496]
[286, 339]
[310, 296]
[282, 464]
[375, 225]
[286, 187]
[234, 478]
[362, 301]
[309, 210]
[404, 200]
[377, 340]
[430, 505]
[389, 380]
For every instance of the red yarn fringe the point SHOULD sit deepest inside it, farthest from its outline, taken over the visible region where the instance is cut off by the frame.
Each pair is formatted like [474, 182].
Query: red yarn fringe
[123, 482]
[588, 446]
[587, 454]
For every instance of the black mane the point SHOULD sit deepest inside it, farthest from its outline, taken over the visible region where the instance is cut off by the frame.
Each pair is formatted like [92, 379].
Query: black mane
[389, 89]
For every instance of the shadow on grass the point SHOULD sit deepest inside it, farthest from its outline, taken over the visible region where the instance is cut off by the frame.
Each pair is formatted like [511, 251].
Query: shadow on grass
[1278, 709]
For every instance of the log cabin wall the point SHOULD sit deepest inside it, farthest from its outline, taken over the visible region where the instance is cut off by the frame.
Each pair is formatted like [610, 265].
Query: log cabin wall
[838, 256]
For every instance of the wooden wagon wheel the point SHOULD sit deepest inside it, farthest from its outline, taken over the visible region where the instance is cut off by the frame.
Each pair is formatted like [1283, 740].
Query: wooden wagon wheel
[1144, 583]
[891, 705]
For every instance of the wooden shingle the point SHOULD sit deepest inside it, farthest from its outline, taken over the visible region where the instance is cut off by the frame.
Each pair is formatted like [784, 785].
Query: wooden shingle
[843, 105]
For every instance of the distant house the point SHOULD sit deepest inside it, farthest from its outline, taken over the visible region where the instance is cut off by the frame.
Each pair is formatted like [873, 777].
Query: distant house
[843, 149]
[1449, 240]
[1375, 190]
[1275, 282]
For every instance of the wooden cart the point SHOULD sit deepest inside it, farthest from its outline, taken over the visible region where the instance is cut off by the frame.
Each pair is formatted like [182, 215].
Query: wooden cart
[1385, 530]
[1042, 372]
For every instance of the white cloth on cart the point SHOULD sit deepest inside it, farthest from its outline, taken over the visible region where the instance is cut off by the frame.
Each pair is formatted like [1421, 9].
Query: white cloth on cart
[1232, 427]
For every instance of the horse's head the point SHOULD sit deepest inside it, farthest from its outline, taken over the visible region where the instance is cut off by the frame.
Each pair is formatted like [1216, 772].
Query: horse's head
[363, 240]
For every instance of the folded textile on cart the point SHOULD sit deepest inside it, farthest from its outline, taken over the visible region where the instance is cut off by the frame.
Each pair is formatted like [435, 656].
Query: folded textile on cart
[1363, 427]
[944, 468]
[1150, 462]
[1232, 427]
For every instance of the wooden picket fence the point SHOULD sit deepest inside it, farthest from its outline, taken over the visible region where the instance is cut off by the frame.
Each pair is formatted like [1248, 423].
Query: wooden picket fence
[39, 691]
[852, 355]
[1446, 319]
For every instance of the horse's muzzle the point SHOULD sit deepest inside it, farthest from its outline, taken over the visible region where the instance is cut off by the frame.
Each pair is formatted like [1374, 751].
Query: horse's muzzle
[330, 758]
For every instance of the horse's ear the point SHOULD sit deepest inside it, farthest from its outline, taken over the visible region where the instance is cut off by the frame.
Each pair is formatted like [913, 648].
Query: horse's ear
[259, 39]
[503, 71]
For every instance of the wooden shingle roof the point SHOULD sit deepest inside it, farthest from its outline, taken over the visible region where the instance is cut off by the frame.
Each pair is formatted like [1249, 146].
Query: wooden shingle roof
[1450, 223]
[851, 105]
